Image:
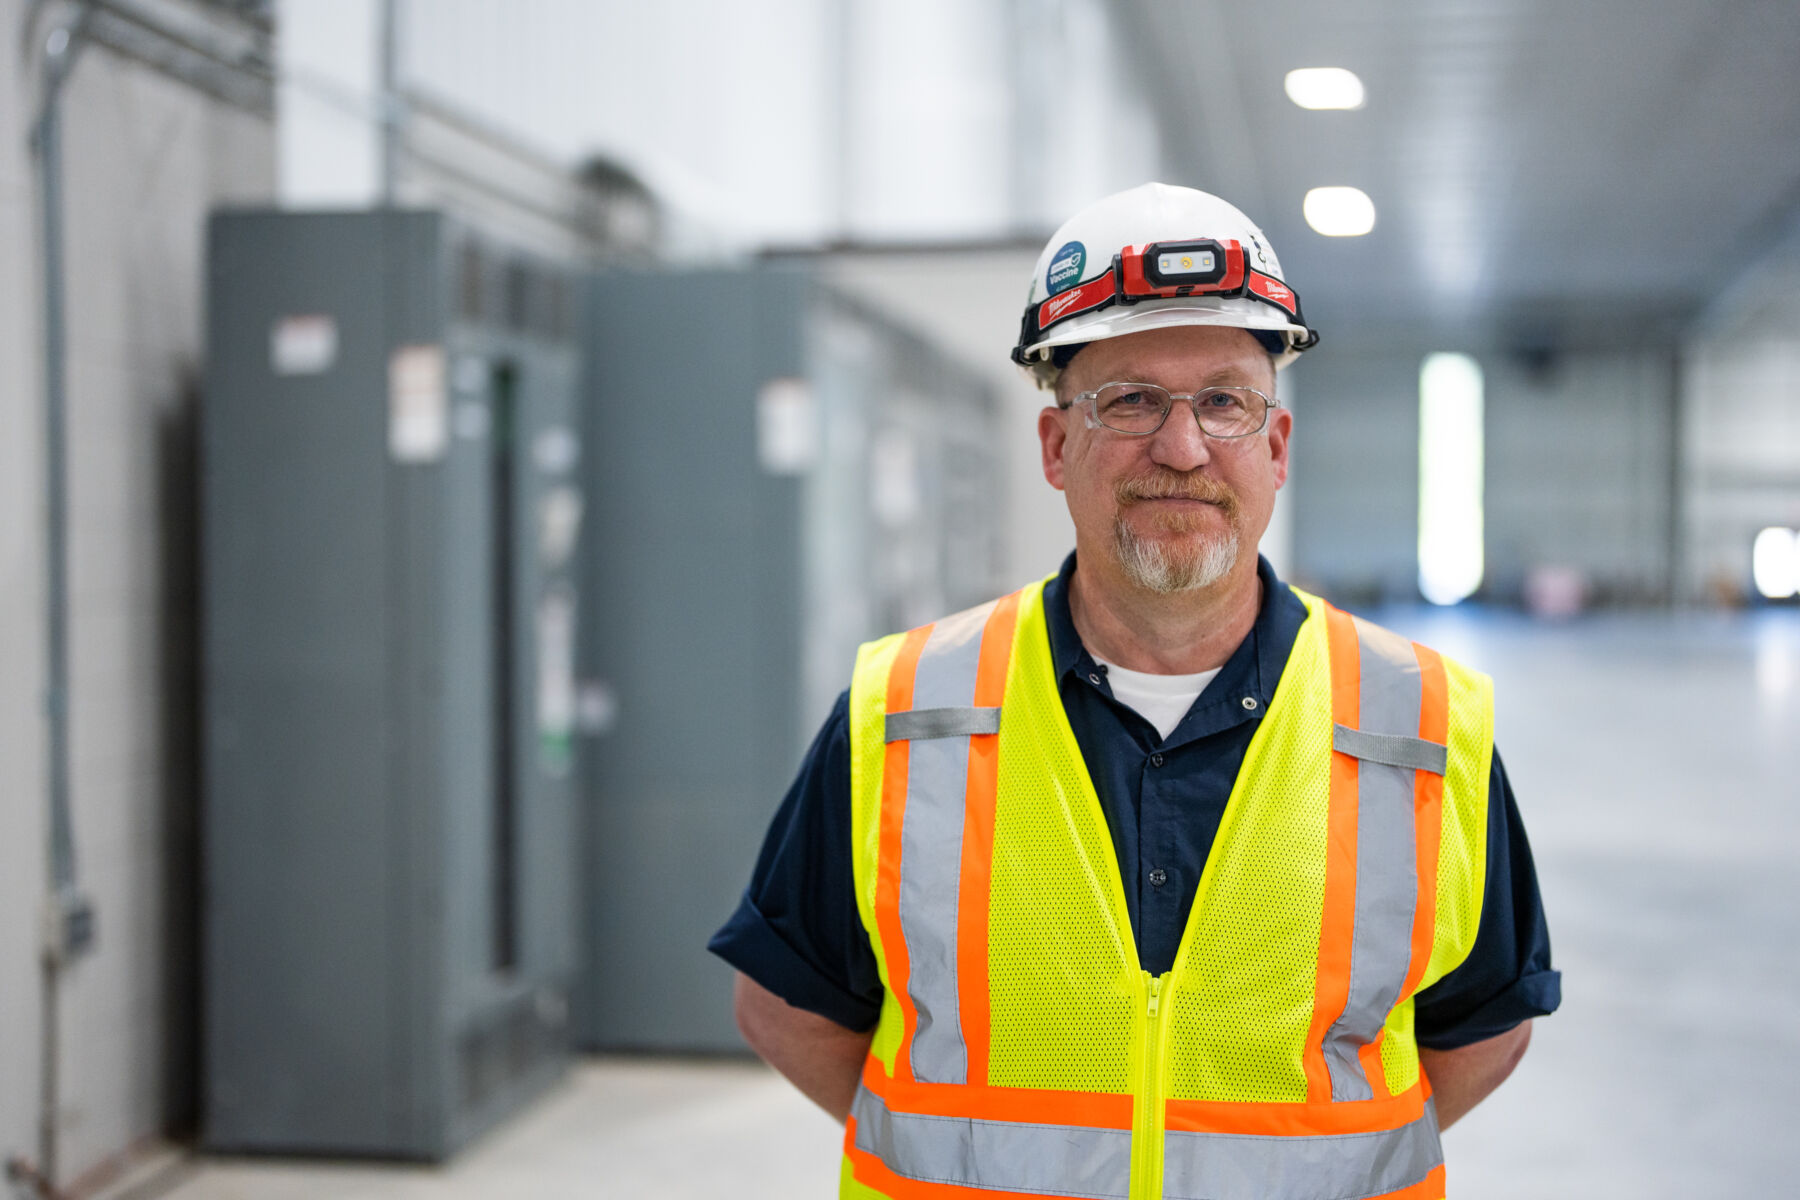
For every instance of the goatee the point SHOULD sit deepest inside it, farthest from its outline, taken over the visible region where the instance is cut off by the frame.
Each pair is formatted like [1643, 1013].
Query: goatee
[1168, 567]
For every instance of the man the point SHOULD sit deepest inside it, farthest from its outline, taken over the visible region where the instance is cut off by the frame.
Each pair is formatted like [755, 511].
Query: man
[1158, 877]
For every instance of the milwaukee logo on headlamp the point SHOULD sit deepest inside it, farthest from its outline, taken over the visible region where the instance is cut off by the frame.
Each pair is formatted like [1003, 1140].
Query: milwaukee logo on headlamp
[1162, 271]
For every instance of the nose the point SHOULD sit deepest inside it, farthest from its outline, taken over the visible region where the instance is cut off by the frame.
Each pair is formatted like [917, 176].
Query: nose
[1180, 444]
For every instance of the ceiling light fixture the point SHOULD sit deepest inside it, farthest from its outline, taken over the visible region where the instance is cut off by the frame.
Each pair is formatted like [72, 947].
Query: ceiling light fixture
[1339, 211]
[1324, 87]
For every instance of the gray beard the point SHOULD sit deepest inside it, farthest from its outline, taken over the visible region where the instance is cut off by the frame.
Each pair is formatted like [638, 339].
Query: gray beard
[1152, 566]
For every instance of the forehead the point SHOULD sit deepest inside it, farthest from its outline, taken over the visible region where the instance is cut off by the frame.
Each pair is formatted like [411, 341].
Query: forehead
[1179, 356]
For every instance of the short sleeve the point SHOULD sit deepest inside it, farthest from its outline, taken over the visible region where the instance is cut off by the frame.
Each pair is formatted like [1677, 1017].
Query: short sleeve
[797, 931]
[1507, 978]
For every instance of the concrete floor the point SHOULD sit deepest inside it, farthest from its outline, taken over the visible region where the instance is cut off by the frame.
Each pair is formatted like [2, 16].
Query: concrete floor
[1657, 763]
[625, 1128]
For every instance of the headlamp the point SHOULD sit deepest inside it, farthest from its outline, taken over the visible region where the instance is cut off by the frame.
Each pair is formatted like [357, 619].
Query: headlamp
[1174, 264]
[1163, 271]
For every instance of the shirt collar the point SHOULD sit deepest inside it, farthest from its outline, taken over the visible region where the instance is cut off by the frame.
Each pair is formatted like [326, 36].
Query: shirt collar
[1253, 669]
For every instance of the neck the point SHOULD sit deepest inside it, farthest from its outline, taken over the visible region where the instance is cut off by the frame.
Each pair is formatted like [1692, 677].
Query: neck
[1179, 634]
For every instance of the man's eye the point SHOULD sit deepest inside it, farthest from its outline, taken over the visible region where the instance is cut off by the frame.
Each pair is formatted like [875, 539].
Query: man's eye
[1115, 399]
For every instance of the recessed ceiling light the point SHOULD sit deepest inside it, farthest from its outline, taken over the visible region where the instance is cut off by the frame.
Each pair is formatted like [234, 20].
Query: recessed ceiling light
[1324, 87]
[1339, 211]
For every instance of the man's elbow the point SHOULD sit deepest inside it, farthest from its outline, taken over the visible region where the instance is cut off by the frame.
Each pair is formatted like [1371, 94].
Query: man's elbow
[1515, 1052]
[750, 1010]
[1464, 1077]
[820, 1057]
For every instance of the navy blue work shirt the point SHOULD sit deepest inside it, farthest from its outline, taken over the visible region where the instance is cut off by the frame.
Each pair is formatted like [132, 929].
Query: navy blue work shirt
[798, 934]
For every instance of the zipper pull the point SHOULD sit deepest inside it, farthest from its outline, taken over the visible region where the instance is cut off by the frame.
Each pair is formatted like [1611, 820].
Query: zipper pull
[1155, 993]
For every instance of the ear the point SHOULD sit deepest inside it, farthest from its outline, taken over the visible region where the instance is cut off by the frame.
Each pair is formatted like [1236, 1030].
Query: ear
[1053, 439]
[1281, 427]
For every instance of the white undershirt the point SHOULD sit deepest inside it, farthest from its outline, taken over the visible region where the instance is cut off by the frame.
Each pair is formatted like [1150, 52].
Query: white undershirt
[1161, 700]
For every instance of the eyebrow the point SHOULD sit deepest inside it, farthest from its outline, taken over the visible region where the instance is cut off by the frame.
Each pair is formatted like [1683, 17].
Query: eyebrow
[1226, 377]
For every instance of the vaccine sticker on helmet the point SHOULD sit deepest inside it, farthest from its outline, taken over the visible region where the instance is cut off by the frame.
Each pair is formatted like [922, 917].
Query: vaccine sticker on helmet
[1065, 268]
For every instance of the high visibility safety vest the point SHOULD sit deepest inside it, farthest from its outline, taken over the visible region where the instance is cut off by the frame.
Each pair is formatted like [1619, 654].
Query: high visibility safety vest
[1023, 1051]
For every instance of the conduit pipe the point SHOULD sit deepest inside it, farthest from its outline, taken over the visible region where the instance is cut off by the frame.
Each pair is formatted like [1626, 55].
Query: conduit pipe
[68, 918]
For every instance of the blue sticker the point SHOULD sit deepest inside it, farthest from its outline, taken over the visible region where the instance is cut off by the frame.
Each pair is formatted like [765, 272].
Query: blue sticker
[1065, 268]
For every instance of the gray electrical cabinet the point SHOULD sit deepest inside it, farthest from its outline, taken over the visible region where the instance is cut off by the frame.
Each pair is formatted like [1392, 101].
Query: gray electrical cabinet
[391, 522]
[777, 474]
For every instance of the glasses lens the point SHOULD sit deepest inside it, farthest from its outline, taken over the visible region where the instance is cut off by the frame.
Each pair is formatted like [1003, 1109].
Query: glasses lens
[1131, 407]
[1231, 412]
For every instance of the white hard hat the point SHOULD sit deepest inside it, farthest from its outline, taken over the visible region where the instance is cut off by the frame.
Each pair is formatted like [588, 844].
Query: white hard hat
[1149, 258]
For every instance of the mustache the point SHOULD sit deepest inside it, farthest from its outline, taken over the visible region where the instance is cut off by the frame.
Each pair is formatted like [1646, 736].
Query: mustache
[1166, 484]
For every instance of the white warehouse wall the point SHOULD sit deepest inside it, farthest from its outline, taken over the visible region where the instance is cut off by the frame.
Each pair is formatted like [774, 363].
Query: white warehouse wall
[145, 159]
[22, 829]
[1740, 465]
[1355, 471]
[784, 122]
[328, 135]
[1579, 472]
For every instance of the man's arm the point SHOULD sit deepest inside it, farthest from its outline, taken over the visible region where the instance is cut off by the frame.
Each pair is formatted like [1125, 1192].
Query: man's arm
[798, 930]
[818, 1056]
[1463, 1077]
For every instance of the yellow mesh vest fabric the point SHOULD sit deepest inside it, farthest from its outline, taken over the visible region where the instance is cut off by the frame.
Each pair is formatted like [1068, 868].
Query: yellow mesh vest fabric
[1399, 1050]
[1244, 978]
[1061, 963]
[1062, 966]
[849, 1188]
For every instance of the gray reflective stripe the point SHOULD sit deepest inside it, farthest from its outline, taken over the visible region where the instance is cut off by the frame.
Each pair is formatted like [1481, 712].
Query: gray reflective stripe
[1414, 753]
[1230, 1166]
[1076, 1160]
[1387, 884]
[937, 781]
[1006, 1156]
[923, 724]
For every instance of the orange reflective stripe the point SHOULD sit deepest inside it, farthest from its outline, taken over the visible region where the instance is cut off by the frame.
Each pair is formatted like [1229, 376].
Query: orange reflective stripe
[1338, 921]
[1297, 1120]
[1100, 1110]
[893, 813]
[1429, 1188]
[1428, 802]
[1370, 1057]
[978, 841]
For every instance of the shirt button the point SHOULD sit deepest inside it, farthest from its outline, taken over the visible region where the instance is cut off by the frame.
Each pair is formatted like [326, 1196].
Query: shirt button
[1094, 678]
[1156, 760]
[1158, 877]
[1249, 703]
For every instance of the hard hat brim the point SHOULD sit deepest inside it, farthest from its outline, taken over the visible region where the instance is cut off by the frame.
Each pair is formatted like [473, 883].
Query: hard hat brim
[1169, 314]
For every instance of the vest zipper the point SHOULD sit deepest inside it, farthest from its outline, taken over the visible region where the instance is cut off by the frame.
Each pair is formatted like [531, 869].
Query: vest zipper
[1148, 1109]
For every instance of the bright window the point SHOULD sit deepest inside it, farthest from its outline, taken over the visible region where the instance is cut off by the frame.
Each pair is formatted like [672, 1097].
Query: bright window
[1450, 477]
[1775, 562]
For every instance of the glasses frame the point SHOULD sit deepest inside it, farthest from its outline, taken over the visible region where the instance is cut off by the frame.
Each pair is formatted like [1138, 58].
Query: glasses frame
[1089, 402]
